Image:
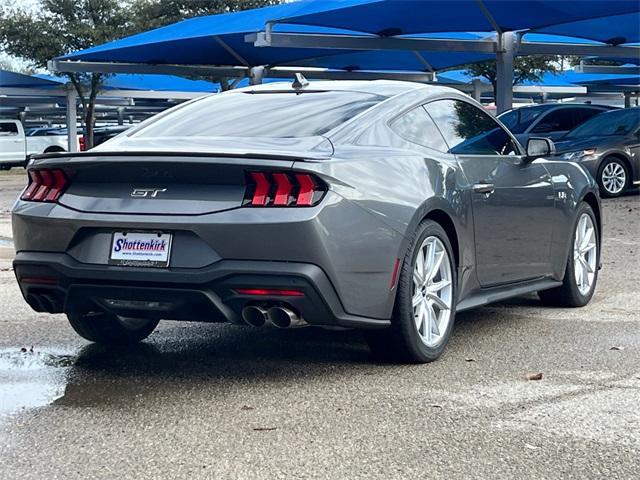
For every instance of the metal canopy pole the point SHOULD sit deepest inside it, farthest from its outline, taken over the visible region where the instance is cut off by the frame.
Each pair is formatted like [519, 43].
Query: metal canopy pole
[477, 89]
[255, 75]
[72, 119]
[504, 71]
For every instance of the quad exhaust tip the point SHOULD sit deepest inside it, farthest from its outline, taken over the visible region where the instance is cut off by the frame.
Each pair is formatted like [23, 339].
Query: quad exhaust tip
[255, 316]
[279, 317]
[283, 317]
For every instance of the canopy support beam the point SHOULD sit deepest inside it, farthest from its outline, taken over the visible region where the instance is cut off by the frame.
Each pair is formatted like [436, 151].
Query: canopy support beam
[233, 71]
[363, 42]
[231, 51]
[608, 69]
[72, 119]
[489, 46]
[504, 72]
[68, 66]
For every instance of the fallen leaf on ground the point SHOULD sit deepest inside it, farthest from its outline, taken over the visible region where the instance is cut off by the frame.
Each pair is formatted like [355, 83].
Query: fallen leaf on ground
[534, 376]
[469, 359]
[616, 348]
[246, 407]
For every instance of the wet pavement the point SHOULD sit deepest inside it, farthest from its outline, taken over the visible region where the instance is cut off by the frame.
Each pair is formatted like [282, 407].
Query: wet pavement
[220, 401]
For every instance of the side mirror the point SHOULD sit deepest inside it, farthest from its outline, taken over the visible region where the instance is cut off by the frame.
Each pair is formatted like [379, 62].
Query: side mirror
[540, 147]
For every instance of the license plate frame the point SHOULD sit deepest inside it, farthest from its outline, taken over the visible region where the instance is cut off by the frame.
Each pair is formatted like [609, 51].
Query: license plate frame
[132, 254]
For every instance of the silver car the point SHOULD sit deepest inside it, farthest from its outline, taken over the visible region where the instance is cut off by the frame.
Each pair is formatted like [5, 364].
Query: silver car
[385, 206]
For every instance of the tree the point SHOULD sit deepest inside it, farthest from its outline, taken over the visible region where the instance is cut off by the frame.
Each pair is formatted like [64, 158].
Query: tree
[58, 27]
[157, 13]
[526, 68]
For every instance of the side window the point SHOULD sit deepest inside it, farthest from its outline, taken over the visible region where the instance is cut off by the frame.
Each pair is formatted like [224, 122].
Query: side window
[584, 114]
[470, 130]
[8, 128]
[556, 120]
[417, 127]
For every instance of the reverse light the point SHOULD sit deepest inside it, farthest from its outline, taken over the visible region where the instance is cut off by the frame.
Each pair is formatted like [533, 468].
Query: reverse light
[280, 189]
[45, 185]
[269, 292]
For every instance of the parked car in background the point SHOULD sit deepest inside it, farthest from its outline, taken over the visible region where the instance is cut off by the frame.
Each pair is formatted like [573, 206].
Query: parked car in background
[608, 145]
[102, 134]
[550, 120]
[387, 206]
[16, 145]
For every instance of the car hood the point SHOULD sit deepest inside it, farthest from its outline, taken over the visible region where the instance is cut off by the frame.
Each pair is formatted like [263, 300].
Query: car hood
[572, 145]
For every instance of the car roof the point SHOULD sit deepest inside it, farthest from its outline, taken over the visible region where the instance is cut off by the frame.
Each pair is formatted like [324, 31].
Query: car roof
[385, 88]
[549, 106]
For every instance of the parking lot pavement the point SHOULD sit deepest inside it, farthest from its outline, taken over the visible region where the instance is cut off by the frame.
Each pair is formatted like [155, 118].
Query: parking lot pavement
[210, 401]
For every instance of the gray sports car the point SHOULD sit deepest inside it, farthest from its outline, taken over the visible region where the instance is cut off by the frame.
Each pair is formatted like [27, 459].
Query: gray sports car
[385, 206]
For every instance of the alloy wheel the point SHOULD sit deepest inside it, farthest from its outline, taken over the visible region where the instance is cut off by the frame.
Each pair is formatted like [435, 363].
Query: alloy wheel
[432, 298]
[614, 178]
[585, 254]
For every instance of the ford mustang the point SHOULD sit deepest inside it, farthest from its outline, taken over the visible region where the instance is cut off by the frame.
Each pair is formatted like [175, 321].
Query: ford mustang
[384, 206]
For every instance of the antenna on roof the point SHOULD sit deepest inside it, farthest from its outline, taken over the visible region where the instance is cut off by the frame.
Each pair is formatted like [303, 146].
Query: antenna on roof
[299, 81]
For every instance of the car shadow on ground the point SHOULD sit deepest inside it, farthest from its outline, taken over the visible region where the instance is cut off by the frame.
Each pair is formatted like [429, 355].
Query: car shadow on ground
[181, 355]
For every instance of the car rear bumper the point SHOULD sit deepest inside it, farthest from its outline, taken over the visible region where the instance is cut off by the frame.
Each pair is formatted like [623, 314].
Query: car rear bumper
[57, 283]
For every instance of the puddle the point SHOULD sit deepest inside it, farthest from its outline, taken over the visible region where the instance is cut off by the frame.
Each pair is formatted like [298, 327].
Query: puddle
[31, 378]
[5, 242]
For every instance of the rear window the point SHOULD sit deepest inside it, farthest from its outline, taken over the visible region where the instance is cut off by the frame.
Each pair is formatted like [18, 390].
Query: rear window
[520, 119]
[272, 114]
[8, 128]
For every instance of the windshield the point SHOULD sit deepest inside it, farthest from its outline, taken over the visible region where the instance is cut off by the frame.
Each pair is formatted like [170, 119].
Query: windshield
[619, 122]
[269, 114]
[518, 120]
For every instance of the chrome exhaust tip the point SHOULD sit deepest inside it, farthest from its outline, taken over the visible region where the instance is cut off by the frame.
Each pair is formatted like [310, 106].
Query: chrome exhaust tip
[255, 316]
[282, 317]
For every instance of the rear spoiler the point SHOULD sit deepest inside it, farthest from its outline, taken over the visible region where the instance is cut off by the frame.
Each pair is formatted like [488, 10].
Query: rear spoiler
[300, 149]
[81, 157]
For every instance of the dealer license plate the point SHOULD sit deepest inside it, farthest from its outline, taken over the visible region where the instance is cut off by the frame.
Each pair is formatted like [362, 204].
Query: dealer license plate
[138, 249]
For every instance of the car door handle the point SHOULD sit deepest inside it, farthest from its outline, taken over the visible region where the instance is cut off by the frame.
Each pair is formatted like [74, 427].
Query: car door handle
[486, 188]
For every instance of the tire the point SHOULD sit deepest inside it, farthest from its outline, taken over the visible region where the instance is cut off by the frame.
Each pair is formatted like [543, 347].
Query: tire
[54, 150]
[402, 342]
[608, 186]
[570, 294]
[108, 328]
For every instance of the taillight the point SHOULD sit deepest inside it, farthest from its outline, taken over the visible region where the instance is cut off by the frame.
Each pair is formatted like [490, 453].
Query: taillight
[45, 185]
[82, 142]
[280, 189]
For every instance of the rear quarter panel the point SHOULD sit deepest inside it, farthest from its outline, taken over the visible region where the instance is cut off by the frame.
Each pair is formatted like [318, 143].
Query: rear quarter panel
[571, 183]
[397, 186]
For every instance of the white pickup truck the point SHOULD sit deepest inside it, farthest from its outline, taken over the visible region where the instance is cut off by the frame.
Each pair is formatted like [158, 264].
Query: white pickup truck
[16, 147]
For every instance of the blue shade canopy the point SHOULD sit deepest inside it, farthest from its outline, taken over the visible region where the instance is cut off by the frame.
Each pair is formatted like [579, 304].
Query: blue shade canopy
[219, 40]
[158, 83]
[197, 41]
[18, 80]
[549, 79]
[161, 83]
[615, 30]
[601, 78]
[403, 17]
